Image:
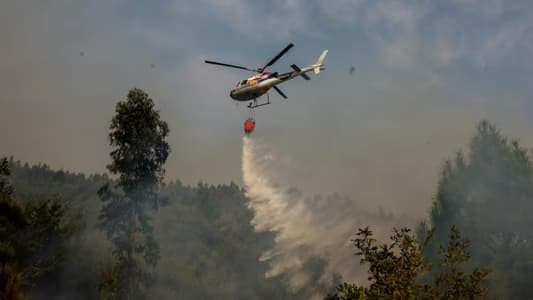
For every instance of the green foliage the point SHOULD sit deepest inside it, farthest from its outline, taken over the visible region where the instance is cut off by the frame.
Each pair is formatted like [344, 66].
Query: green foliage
[38, 237]
[138, 136]
[77, 276]
[208, 248]
[12, 221]
[394, 267]
[398, 270]
[140, 150]
[452, 282]
[46, 235]
[109, 283]
[347, 291]
[11, 282]
[5, 187]
[487, 194]
[33, 240]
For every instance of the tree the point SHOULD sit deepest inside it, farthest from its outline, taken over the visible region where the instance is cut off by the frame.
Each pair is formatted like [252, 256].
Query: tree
[487, 193]
[5, 188]
[140, 150]
[211, 250]
[12, 279]
[11, 282]
[33, 240]
[452, 282]
[399, 271]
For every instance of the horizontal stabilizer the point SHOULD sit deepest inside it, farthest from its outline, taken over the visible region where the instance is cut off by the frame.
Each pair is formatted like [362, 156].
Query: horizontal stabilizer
[297, 69]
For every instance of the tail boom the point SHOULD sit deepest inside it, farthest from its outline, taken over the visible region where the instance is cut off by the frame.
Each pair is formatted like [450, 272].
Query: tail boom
[300, 72]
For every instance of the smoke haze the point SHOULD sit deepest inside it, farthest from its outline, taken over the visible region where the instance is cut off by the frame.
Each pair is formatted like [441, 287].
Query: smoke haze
[426, 71]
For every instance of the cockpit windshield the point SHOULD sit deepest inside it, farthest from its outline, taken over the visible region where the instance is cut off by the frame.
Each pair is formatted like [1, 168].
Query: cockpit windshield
[243, 82]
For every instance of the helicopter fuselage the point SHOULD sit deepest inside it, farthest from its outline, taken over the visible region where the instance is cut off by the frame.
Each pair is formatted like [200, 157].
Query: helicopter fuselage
[253, 87]
[256, 86]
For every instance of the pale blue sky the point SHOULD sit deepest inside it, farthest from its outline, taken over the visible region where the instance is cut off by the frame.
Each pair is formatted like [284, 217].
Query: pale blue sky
[427, 71]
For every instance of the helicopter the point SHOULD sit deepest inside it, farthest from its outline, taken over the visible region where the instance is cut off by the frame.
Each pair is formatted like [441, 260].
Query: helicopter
[256, 86]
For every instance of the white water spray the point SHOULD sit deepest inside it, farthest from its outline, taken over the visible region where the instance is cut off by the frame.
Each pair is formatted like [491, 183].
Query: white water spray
[305, 228]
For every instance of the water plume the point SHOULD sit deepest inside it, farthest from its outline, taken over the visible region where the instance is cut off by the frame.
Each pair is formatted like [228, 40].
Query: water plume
[306, 228]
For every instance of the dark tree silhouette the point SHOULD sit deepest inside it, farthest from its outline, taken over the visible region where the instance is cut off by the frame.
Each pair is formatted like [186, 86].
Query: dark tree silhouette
[139, 152]
[5, 187]
[398, 270]
[488, 194]
[33, 240]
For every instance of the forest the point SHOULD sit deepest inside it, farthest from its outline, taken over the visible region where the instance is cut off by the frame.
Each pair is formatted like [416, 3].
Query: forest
[129, 234]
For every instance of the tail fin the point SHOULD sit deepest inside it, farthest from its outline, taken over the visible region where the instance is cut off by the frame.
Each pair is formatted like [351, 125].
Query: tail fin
[320, 62]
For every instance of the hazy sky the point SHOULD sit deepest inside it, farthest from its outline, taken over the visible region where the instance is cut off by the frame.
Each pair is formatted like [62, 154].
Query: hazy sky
[427, 71]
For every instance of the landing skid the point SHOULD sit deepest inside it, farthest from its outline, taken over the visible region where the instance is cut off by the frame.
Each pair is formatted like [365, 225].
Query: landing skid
[254, 103]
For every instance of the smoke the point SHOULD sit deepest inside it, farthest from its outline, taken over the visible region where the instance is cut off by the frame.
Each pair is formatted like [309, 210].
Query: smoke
[306, 228]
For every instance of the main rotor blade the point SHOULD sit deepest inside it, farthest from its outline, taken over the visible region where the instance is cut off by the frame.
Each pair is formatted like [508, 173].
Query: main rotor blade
[277, 56]
[279, 92]
[228, 65]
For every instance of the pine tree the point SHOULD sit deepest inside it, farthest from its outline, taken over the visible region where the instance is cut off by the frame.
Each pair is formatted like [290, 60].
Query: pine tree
[486, 192]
